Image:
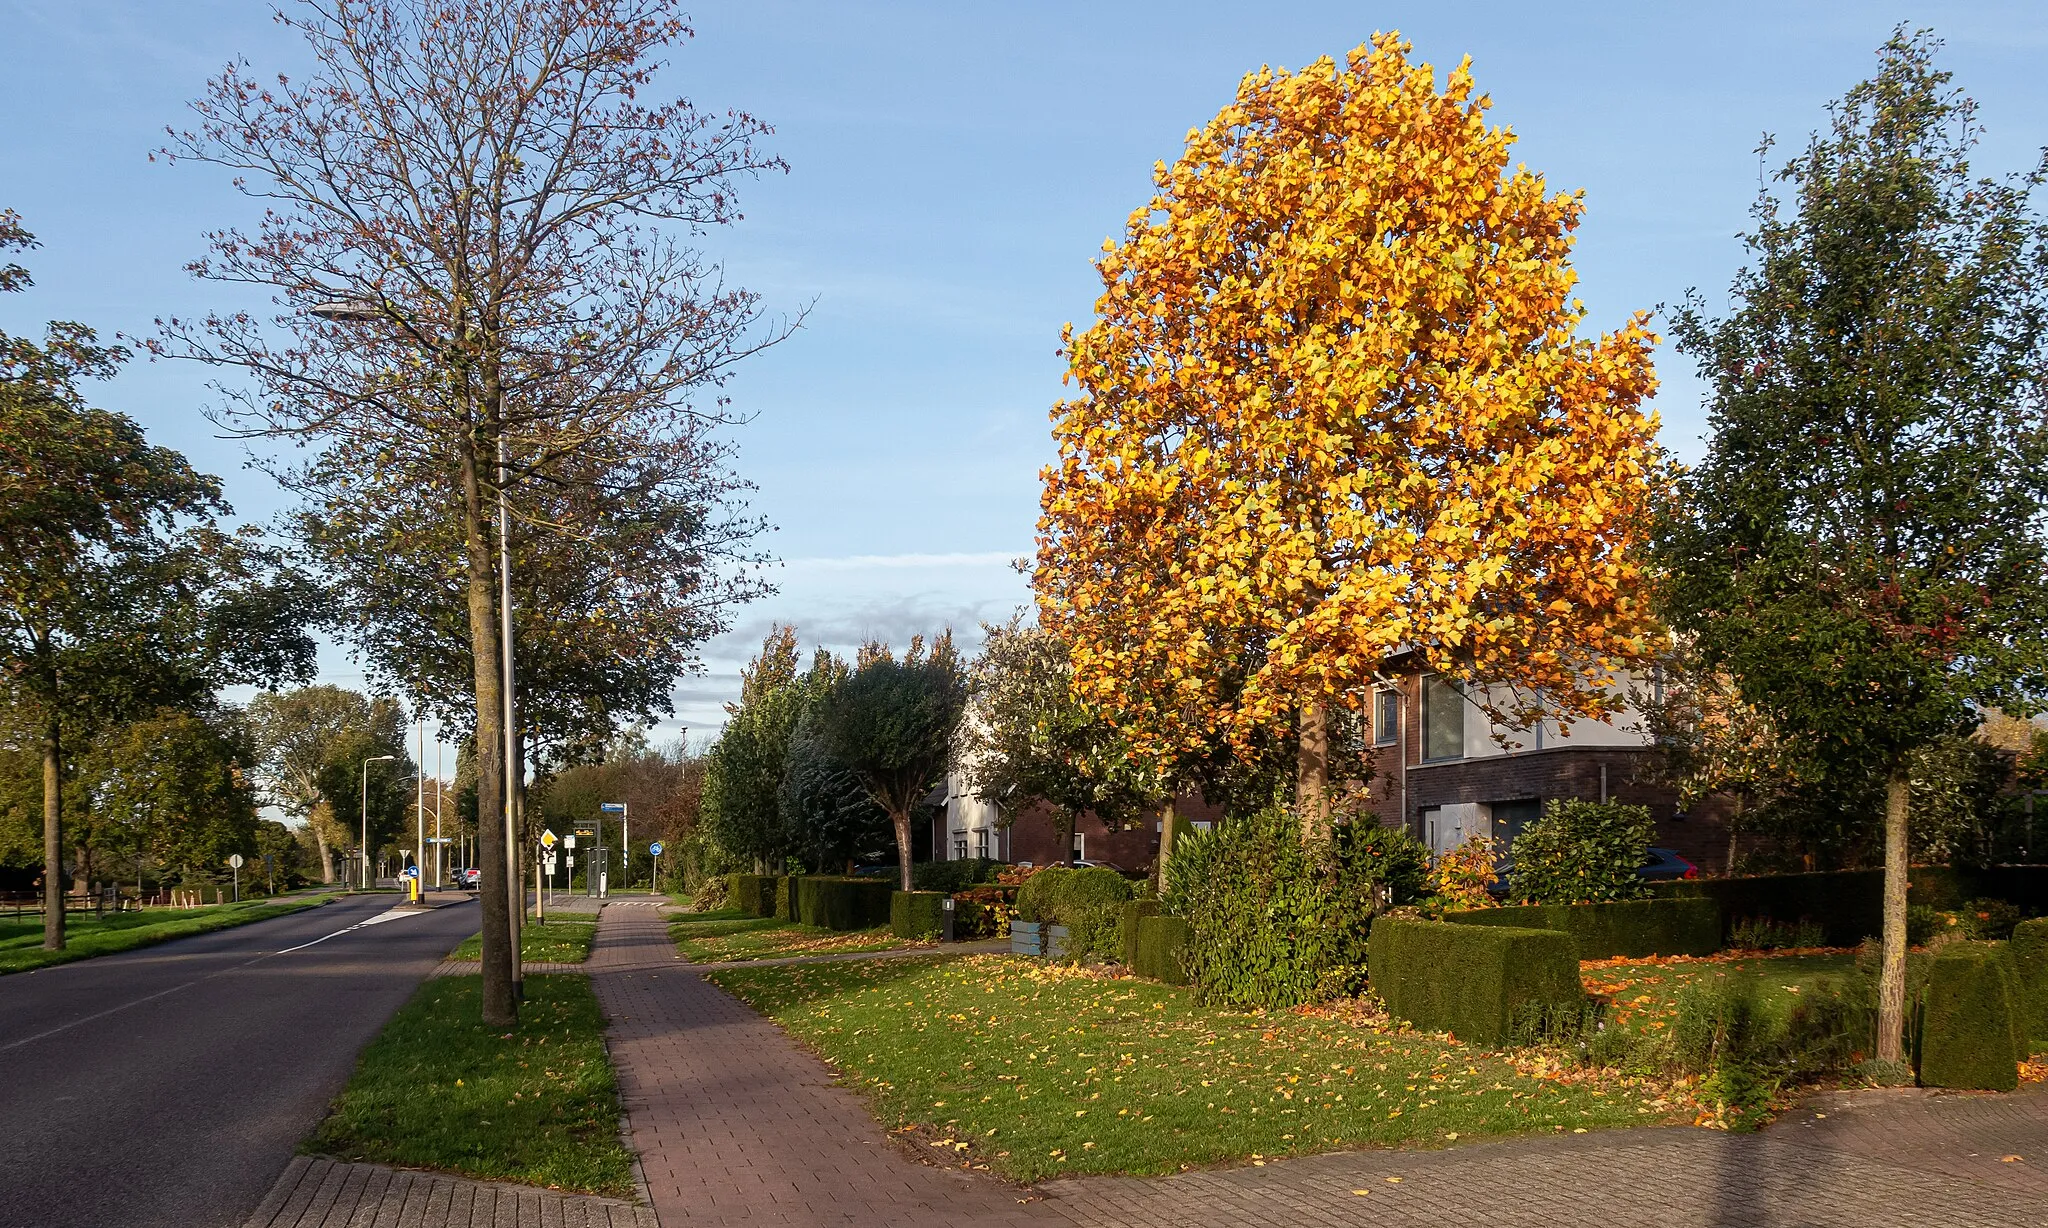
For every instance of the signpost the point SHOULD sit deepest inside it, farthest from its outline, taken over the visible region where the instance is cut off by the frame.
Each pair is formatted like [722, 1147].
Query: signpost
[235, 864]
[654, 852]
[625, 838]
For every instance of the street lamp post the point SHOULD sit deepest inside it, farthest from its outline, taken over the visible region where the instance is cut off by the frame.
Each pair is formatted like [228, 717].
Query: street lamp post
[366, 815]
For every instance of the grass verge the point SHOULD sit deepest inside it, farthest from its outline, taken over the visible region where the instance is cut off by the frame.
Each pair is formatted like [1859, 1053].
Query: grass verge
[1037, 1070]
[715, 942]
[439, 1090]
[1643, 994]
[557, 942]
[86, 936]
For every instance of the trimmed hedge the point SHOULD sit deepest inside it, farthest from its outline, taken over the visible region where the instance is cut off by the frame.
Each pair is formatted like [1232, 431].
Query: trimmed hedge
[1128, 933]
[785, 896]
[1848, 905]
[1089, 903]
[753, 894]
[2029, 949]
[1632, 928]
[835, 903]
[1969, 1035]
[1156, 951]
[1470, 980]
[917, 915]
[954, 875]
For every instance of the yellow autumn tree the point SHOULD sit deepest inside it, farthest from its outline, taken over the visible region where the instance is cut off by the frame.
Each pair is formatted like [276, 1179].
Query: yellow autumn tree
[1336, 405]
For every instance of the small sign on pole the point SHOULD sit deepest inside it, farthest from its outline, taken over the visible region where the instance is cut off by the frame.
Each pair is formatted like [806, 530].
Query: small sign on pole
[235, 864]
[547, 838]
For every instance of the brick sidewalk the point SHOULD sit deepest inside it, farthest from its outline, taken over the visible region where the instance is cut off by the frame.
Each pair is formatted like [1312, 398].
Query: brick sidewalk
[737, 1125]
[317, 1193]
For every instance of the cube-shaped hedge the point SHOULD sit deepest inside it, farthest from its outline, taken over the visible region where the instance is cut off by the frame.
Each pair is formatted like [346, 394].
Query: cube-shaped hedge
[1969, 1033]
[1470, 980]
[844, 903]
[917, 915]
[2030, 965]
[1134, 910]
[1631, 928]
[1157, 952]
[785, 896]
[753, 894]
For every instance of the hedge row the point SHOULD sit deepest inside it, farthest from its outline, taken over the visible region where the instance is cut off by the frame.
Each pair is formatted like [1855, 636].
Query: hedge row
[843, 903]
[1970, 1033]
[1632, 928]
[1848, 905]
[1156, 947]
[753, 894]
[2029, 949]
[1134, 911]
[917, 915]
[1470, 980]
[785, 896]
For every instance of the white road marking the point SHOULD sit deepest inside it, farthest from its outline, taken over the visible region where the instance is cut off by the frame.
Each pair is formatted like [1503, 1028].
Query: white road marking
[379, 919]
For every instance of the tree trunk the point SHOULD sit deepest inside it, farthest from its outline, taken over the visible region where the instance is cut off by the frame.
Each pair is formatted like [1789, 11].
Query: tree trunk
[53, 842]
[326, 859]
[500, 1007]
[1312, 775]
[1165, 843]
[1734, 830]
[901, 820]
[1891, 980]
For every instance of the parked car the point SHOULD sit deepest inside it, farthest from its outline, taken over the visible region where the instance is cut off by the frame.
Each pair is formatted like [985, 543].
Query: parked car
[469, 879]
[1665, 865]
[1086, 864]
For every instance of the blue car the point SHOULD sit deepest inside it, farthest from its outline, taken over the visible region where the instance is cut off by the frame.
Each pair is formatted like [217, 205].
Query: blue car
[1665, 865]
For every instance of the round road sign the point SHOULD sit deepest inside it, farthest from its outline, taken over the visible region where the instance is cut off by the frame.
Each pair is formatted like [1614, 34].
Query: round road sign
[654, 850]
[235, 860]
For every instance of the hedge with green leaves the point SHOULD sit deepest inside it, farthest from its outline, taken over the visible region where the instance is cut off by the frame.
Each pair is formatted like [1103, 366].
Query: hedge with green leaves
[1089, 902]
[918, 915]
[1159, 948]
[1632, 928]
[1127, 933]
[1276, 923]
[1472, 980]
[954, 875]
[753, 894]
[835, 903]
[1969, 1030]
[786, 889]
[2029, 949]
[1581, 852]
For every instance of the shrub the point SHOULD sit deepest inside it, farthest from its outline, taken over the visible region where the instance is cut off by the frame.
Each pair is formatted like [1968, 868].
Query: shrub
[1463, 877]
[1764, 934]
[1720, 1022]
[954, 876]
[984, 911]
[1274, 923]
[1128, 934]
[1581, 852]
[1969, 1033]
[711, 894]
[1846, 905]
[1990, 920]
[2030, 968]
[1160, 947]
[917, 915]
[843, 903]
[1088, 902]
[1471, 980]
[1632, 928]
[786, 895]
[753, 894]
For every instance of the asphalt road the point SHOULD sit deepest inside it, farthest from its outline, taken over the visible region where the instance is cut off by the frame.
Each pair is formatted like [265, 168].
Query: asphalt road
[169, 1086]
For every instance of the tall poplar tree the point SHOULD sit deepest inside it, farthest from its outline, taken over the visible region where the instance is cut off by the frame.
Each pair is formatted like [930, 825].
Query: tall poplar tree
[1861, 549]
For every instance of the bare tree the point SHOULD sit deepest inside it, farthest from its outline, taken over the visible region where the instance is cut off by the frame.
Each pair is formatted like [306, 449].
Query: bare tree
[464, 246]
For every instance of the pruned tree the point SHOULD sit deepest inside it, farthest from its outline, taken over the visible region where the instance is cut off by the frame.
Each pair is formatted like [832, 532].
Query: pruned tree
[891, 723]
[1338, 402]
[465, 245]
[1861, 550]
[118, 592]
[826, 809]
[1028, 739]
[296, 736]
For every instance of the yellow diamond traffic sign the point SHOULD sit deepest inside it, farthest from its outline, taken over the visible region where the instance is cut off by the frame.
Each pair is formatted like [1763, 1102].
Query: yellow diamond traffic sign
[547, 838]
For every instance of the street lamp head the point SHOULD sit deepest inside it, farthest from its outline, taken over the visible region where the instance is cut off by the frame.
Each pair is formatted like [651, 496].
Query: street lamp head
[349, 310]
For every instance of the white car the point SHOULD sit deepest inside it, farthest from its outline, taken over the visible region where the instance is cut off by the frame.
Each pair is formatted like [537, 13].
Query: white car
[469, 879]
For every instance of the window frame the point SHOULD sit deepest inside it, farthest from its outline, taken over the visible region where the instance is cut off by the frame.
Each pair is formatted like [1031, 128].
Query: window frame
[1441, 686]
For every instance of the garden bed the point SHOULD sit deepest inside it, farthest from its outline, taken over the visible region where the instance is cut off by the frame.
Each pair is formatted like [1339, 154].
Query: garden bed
[706, 941]
[1036, 1070]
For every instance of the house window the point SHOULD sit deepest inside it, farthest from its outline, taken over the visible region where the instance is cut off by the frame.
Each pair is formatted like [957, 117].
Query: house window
[1386, 716]
[960, 849]
[1443, 718]
[981, 843]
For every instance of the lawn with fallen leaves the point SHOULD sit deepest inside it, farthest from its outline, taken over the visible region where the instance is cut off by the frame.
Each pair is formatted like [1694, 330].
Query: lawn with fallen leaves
[1034, 1069]
[1643, 993]
[733, 940]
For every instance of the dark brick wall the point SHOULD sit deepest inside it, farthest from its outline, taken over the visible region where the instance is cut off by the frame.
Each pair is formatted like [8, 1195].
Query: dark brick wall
[1032, 838]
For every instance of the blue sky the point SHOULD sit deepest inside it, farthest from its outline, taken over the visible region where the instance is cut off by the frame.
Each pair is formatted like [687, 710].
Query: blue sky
[954, 168]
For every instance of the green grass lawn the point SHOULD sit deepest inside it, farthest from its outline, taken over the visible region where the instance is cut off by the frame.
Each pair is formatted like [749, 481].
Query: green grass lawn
[1036, 1070]
[560, 941]
[713, 942]
[1643, 994]
[86, 936]
[439, 1090]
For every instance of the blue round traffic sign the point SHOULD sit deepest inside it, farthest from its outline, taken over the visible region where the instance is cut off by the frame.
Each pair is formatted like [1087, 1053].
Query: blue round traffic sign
[654, 850]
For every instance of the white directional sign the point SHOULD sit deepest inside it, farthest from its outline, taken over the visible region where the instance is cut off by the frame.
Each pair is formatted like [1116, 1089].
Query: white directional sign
[235, 860]
[568, 842]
